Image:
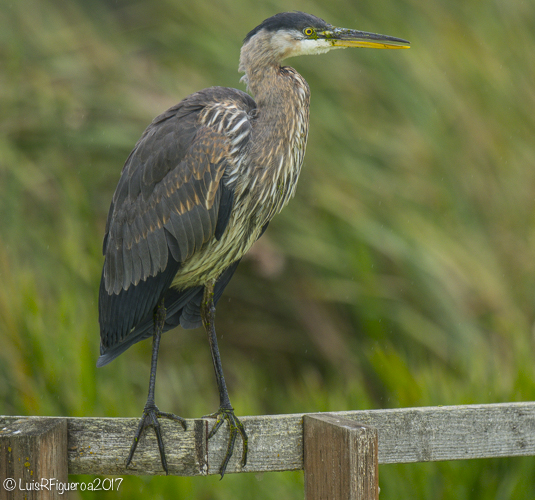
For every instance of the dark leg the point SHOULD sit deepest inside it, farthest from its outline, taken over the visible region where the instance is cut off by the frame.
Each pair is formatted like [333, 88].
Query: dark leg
[150, 412]
[225, 412]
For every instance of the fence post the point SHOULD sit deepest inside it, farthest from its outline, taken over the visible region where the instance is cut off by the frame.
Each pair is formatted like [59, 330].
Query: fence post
[340, 459]
[33, 451]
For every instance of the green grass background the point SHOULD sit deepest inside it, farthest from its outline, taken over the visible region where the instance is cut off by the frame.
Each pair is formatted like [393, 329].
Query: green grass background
[402, 274]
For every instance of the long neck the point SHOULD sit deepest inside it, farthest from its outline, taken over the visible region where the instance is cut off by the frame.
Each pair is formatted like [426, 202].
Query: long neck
[257, 61]
[271, 85]
[281, 125]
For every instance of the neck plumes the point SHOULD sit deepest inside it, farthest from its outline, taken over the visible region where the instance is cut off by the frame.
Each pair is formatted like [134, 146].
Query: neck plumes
[280, 128]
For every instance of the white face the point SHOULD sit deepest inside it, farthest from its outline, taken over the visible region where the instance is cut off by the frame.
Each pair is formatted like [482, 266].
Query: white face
[289, 46]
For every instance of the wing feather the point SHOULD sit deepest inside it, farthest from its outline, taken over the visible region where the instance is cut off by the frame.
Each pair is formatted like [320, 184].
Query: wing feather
[136, 264]
[173, 245]
[175, 226]
[128, 258]
[170, 201]
[143, 247]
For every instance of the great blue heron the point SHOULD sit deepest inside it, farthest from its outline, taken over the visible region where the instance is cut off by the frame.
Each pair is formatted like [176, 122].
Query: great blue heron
[199, 188]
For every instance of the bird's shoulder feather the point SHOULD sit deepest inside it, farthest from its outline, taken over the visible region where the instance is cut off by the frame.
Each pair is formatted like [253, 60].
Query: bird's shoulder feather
[172, 184]
[173, 196]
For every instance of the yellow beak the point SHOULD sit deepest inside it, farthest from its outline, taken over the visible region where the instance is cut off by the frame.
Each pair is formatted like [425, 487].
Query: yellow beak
[341, 37]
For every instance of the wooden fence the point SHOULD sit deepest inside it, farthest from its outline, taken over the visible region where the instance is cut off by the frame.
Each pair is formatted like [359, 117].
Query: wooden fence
[339, 452]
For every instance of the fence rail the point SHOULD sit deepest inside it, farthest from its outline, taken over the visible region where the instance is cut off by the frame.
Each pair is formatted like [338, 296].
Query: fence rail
[277, 442]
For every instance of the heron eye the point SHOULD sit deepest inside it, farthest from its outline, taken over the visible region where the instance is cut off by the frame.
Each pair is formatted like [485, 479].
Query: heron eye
[308, 31]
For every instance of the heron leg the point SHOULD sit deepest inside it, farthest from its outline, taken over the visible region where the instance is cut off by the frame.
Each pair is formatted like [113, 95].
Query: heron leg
[151, 413]
[225, 412]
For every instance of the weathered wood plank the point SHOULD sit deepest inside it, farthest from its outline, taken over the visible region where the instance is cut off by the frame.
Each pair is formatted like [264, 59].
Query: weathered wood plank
[340, 459]
[33, 458]
[100, 445]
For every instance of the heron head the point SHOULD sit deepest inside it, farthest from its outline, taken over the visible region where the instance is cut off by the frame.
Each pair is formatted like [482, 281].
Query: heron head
[290, 34]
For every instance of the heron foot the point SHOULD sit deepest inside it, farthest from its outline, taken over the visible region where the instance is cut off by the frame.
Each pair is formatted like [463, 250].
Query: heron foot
[150, 417]
[235, 426]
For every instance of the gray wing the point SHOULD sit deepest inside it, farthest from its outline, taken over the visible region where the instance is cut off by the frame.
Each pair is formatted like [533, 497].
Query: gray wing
[170, 201]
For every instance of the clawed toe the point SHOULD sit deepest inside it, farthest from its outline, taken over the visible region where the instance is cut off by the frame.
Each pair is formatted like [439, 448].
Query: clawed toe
[150, 417]
[235, 426]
